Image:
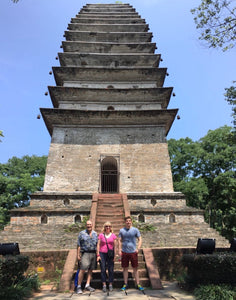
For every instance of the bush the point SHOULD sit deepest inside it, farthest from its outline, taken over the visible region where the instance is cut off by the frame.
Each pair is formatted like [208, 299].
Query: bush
[13, 284]
[215, 292]
[217, 268]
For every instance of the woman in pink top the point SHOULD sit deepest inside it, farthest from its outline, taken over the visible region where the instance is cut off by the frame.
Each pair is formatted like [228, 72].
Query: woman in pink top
[106, 240]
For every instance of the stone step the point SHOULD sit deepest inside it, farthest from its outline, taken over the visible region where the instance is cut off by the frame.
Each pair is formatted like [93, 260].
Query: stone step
[118, 282]
[103, 212]
[108, 21]
[108, 27]
[75, 76]
[108, 47]
[102, 96]
[115, 10]
[100, 5]
[109, 8]
[118, 273]
[114, 205]
[108, 15]
[116, 37]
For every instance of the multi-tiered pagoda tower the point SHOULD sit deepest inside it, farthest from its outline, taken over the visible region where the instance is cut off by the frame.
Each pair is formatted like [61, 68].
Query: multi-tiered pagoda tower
[108, 125]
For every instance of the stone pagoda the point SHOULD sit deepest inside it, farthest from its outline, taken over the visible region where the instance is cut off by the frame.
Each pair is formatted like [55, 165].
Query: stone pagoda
[109, 122]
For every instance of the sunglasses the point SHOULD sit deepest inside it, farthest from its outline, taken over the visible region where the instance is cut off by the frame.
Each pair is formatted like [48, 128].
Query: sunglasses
[107, 226]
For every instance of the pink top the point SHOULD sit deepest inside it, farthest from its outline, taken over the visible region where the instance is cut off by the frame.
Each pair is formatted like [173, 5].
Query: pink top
[110, 242]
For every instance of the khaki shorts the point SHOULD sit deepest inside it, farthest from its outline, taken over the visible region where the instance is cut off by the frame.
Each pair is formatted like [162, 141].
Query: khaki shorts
[88, 261]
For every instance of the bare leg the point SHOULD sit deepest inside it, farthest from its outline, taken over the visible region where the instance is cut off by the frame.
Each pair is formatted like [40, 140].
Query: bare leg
[81, 276]
[89, 277]
[136, 275]
[125, 275]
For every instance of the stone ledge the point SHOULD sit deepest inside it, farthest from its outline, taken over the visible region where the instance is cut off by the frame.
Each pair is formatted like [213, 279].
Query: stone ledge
[176, 211]
[50, 210]
[171, 195]
[59, 195]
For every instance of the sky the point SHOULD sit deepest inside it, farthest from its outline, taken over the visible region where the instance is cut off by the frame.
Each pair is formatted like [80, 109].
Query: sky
[31, 33]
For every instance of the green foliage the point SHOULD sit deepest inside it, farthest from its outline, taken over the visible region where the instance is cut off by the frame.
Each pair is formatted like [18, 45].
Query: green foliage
[143, 227]
[215, 292]
[217, 21]
[1, 134]
[216, 268]
[205, 172]
[13, 283]
[230, 97]
[77, 227]
[19, 178]
[12, 269]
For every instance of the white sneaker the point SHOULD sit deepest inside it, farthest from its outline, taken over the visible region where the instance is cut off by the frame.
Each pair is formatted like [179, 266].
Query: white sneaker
[89, 288]
[104, 289]
[79, 290]
[110, 288]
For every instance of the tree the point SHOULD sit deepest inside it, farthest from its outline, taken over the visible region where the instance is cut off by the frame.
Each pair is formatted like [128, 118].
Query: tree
[230, 97]
[1, 134]
[217, 21]
[19, 178]
[205, 171]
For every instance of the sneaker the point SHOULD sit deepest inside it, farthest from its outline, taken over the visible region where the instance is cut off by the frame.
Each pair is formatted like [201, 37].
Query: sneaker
[89, 288]
[79, 290]
[124, 287]
[110, 288]
[104, 289]
[139, 287]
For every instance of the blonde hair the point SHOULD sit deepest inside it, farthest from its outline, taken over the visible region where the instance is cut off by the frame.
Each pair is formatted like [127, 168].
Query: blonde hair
[106, 224]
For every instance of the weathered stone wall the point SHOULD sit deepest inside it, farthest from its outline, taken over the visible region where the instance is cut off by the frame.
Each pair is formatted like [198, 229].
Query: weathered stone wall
[157, 218]
[61, 203]
[75, 157]
[52, 218]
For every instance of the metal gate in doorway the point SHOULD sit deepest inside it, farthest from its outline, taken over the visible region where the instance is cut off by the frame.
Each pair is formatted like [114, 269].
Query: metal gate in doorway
[109, 175]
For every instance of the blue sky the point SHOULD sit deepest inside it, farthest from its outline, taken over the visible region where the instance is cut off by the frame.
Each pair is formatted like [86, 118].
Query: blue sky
[31, 33]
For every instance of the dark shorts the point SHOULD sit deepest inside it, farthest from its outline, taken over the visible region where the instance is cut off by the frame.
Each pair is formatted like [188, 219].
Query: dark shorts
[88, 261]
[129, 257]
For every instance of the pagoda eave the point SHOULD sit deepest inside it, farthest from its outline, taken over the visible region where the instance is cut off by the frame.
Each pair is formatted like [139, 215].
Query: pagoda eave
[75, 95]
[109, 75]
[69, 117]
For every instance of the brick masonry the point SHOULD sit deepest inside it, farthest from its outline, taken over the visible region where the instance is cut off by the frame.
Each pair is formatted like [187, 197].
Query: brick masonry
[74, 164]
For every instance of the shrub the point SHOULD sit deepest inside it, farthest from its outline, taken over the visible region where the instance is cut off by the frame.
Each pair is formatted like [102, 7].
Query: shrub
[217, 268]
[13, 284]
[215, 292]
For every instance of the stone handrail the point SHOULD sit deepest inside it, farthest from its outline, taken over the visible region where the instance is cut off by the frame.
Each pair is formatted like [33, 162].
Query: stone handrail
[93, 210]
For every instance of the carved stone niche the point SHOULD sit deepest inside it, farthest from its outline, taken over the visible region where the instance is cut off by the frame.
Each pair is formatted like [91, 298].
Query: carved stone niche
[153, 202]
[172, 218]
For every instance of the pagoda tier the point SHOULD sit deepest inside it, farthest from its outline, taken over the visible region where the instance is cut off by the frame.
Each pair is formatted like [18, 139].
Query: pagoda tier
[73, 96]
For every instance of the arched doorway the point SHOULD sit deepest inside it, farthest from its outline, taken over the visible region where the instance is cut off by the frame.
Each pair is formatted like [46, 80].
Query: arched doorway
[109, 175]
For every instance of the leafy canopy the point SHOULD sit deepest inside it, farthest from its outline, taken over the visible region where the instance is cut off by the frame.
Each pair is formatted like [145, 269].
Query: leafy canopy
[216, 20]
[205, 171]
[19, 178]
[230, 97]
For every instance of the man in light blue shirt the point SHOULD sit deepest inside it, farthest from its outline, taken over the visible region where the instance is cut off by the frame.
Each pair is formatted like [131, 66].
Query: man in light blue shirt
[128, 251]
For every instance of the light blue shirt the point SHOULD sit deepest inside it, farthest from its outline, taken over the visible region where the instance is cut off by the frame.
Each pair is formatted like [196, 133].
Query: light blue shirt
[128, 238]
[87, 242]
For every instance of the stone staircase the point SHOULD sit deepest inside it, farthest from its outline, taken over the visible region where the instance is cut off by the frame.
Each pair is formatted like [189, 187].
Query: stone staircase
[110, 208]
[118, 275]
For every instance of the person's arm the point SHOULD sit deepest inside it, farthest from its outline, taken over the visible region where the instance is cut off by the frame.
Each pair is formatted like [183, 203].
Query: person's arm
[78, 253]
[119, 246]
[139, 243]
[98, 248]
[115, 248]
